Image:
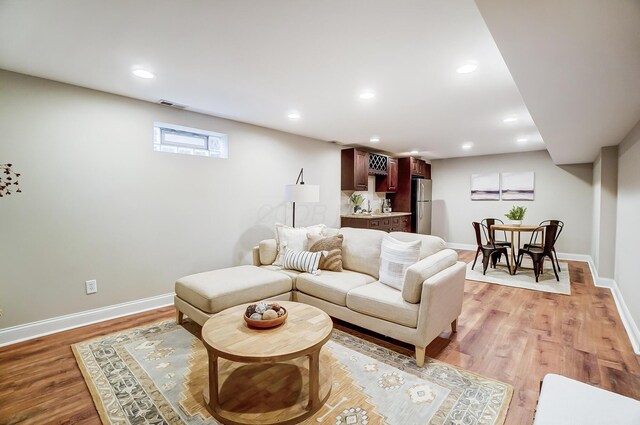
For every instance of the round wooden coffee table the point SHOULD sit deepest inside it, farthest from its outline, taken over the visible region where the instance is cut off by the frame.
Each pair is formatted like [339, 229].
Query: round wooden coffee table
[261, 376]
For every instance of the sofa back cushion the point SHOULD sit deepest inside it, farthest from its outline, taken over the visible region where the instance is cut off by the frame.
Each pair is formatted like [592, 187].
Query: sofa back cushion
[361, 250]
[430, 244]
[423, 270]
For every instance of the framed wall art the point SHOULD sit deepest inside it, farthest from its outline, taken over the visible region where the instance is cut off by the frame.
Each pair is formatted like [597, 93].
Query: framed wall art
[517, 186]
[485, 187]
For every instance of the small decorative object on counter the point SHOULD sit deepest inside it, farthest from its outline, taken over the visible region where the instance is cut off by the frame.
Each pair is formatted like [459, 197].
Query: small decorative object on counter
[265, 315]
[516, 215]
[386, 206]
[357, 200]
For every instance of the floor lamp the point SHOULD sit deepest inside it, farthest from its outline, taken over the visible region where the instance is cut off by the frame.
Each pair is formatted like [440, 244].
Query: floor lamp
[301, 192]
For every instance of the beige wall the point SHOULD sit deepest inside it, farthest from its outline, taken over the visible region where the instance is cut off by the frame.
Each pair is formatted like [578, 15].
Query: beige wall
[628, 231]
[561, 192]
[98, 203]
[605, 192]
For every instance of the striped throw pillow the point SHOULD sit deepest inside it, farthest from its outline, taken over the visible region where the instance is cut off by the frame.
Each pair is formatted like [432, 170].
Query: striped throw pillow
[395, 258]
[303, 261]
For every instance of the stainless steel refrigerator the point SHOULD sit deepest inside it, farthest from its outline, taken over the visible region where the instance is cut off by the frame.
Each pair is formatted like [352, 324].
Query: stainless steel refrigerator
[421, 206]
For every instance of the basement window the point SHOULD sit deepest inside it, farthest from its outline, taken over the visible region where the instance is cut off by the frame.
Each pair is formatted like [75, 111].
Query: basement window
[189, 141]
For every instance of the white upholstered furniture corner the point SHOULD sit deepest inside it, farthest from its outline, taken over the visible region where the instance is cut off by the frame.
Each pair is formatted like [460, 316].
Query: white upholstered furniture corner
[564, 401]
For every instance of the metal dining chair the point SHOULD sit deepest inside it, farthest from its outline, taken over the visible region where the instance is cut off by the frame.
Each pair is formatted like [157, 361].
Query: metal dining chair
[538, 244]
[538, 253]
[488, 222]
[490, 251]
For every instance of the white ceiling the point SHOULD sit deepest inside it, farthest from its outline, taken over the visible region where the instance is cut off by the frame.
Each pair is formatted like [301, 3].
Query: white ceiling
[255, 61]
[577, 65]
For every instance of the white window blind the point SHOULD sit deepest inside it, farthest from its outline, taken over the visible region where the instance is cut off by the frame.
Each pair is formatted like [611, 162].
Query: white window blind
[174, 138]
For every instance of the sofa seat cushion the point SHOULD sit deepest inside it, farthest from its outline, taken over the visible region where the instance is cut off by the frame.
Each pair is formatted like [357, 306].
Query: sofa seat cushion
[293, 274]
[381, 301]
[332, 286]
[217, 290]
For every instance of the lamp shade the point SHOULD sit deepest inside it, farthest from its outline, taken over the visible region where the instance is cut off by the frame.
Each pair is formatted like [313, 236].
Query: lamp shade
[302, 192]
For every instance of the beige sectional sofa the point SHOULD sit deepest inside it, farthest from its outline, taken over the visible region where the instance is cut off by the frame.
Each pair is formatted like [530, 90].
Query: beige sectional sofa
[429, 303]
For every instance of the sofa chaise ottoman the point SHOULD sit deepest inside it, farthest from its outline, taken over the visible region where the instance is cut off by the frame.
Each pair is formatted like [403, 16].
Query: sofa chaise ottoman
[201, 295]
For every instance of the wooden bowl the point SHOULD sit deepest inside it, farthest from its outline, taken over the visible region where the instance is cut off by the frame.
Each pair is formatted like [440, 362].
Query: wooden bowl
[265, 324]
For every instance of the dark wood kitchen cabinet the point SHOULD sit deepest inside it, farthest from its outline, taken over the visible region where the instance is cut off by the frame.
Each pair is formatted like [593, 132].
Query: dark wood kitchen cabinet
[420, 168]
[355, 169]
[388, 183]
[401, 223]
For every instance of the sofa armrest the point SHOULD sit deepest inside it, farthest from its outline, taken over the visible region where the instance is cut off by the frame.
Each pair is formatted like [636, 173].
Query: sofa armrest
[423, 270]
[267, 252]
[256, 255]
[441, 302]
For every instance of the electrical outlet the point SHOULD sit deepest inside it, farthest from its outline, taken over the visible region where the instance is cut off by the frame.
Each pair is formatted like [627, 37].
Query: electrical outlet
[91, 286]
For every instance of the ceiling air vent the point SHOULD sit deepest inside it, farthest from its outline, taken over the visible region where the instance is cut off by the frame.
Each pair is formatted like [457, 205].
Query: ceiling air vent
[172, 104]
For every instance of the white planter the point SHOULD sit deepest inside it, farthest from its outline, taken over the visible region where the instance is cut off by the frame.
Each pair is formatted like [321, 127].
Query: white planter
[516, 222]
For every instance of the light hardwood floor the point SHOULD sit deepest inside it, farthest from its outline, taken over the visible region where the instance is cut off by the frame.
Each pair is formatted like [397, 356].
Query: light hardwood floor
[514, 335]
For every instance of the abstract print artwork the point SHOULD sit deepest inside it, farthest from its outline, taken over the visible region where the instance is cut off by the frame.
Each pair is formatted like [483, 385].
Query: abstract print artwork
[8, 180]
[518, 186]
[485, 187]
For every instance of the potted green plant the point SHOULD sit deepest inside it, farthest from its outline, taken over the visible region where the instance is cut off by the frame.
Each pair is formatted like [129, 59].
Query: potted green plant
[516, 215]
[357, 200]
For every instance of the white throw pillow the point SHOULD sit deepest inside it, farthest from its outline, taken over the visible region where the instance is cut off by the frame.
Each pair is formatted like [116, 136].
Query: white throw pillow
[303, 261]
[294, 238]
[395, 258]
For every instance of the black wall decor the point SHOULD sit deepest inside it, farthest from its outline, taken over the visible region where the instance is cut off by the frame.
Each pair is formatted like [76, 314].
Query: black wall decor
[8, 180]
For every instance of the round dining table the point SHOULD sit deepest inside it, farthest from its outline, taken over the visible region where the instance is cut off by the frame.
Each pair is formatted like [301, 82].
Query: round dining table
[515, 230]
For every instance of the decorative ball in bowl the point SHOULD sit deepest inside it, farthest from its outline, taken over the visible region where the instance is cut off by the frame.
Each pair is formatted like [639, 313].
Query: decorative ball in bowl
[265, 315]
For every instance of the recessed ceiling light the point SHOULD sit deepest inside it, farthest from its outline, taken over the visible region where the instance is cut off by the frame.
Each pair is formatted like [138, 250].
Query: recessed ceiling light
[522, 140]
[374, 139]
[143, 73]
[293, 115]
[366, 95]
[467, 145]
[510, 119]
[466, 69]
[413, 152]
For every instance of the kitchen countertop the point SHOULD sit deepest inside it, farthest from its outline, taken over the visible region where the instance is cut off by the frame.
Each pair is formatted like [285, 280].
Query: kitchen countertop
[377, 215]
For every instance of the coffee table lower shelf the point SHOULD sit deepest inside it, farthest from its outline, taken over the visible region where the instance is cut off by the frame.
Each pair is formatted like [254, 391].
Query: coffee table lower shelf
[268, 393]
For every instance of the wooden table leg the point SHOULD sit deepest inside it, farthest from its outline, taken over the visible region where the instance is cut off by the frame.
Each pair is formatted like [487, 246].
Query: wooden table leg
[213, 382]
[314, 381]
[518, 244]
[513, 261]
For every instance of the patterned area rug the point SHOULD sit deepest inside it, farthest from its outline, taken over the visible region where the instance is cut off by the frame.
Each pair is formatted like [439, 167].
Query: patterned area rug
[524, 278]
[155, 375]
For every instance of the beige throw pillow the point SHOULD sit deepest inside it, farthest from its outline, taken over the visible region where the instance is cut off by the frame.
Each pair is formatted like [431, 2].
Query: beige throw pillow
[333, 246]
[294, 238]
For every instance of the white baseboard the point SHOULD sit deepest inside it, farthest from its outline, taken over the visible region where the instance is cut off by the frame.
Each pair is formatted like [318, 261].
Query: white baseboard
[625, 315]
[601, 282]
[62, 323]
[465, 246]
